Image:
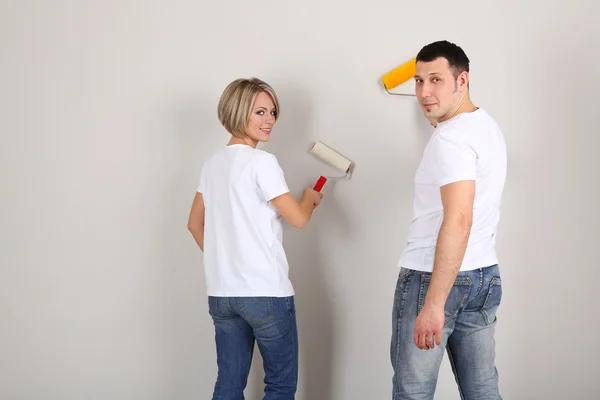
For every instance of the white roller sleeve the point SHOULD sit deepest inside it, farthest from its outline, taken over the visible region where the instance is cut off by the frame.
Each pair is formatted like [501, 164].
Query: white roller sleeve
[331, 157]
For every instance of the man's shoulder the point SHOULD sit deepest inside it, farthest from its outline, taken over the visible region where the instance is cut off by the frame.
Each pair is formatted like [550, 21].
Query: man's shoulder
[469, 127]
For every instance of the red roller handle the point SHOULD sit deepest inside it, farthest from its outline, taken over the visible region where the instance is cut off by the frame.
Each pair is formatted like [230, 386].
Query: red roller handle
[320, 183]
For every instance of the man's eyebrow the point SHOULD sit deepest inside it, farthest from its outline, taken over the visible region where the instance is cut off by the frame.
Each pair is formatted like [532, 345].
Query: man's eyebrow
[431, 73]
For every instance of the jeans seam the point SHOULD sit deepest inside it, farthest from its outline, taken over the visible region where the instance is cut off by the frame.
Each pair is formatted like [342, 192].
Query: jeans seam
[405, 286]
[220, 304]
[480, 282]
[495, 281]
[453, 365]
[290, 308]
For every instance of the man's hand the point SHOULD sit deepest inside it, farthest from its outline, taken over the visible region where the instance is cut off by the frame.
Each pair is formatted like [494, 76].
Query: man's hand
[429, 325]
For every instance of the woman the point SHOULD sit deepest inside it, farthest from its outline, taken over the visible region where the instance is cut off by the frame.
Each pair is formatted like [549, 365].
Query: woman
[236, 221]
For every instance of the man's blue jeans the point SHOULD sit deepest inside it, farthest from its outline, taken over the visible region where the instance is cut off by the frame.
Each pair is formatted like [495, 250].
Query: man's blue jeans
[468, 336]
[239, 322]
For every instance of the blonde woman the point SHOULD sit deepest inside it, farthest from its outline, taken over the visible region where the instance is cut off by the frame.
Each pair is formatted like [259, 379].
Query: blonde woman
[236, 221]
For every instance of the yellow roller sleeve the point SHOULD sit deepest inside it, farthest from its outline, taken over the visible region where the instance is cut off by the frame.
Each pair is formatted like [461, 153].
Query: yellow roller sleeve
[399, 75]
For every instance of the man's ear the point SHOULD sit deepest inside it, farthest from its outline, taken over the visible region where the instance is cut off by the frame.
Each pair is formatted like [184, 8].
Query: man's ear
[463, 80]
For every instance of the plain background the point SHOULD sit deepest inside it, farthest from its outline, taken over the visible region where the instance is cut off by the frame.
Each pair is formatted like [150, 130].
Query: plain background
[108, 110]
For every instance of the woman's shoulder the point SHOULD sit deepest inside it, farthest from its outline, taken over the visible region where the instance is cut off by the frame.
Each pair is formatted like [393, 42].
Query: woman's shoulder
[263, 156]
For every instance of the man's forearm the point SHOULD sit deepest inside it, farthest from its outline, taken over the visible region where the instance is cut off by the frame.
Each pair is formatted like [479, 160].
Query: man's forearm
[450, 251]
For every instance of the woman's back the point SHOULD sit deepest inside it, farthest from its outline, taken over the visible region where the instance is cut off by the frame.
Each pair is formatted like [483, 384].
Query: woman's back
[243, 252]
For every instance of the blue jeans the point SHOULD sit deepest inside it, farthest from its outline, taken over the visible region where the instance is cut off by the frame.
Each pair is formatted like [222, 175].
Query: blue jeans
[468, 336]
[239, 322]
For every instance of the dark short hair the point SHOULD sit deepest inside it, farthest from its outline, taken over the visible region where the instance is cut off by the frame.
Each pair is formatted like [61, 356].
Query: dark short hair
[457, 59]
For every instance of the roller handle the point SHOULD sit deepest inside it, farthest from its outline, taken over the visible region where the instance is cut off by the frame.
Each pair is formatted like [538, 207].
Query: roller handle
[320, 183]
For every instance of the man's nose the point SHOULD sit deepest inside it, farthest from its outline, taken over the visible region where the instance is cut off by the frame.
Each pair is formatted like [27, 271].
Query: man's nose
[425, 90]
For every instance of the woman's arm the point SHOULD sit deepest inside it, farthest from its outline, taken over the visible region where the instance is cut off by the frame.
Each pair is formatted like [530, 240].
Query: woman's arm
[196, 220]
[297, 214]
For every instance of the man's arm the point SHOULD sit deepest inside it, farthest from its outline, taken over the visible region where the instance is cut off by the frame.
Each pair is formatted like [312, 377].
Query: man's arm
[457, 200]
[196, 220]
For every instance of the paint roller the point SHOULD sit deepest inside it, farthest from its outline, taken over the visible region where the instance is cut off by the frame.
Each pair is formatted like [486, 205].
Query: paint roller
[400, 75]
[333, 158]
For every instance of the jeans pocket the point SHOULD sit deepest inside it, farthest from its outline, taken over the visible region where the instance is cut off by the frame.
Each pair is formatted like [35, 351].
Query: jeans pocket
[257, 310]
[457, 298]
[492, 300]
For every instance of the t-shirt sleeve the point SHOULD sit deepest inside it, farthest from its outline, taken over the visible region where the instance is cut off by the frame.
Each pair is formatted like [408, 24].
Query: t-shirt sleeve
[453, 160]
[270, 177]
[202, 181]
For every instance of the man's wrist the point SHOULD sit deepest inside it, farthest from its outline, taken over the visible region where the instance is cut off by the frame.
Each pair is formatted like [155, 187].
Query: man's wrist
[434, 301]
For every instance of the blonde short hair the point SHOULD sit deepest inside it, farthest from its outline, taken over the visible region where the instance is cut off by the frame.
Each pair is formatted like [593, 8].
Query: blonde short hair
[236, 103]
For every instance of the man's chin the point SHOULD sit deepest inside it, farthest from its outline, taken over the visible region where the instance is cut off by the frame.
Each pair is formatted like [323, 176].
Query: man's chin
[430, 113]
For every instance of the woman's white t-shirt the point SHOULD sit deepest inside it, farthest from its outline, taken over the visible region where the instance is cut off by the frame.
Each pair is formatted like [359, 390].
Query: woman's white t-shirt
[243, 251]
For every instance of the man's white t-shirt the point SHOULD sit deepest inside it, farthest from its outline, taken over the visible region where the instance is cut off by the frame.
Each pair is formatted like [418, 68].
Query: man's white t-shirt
[469, 146]
[243, 251]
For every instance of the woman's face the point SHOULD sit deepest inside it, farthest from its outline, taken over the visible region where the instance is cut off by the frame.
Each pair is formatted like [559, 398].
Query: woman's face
[262, 118]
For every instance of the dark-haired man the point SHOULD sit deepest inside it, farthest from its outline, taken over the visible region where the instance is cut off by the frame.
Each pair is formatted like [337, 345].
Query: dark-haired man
[449, 288]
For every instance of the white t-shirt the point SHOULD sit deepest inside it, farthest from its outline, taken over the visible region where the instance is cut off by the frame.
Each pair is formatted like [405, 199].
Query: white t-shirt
[469, 146]
[243, 251]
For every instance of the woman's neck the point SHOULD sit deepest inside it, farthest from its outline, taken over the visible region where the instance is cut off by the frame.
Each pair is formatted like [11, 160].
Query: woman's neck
[247, 141]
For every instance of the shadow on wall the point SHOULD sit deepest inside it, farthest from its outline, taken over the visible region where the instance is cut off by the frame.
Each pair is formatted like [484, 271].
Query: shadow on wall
[424, 127]
[192, 133]
[290, 143]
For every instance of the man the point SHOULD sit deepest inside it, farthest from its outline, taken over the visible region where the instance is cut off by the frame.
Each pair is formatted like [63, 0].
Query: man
[449, 286]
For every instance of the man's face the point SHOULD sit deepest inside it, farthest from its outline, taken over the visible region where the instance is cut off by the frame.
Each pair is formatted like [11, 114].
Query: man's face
[438, 92]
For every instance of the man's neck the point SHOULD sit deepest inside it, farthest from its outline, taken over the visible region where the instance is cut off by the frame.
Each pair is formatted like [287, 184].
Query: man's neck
[463, 106]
